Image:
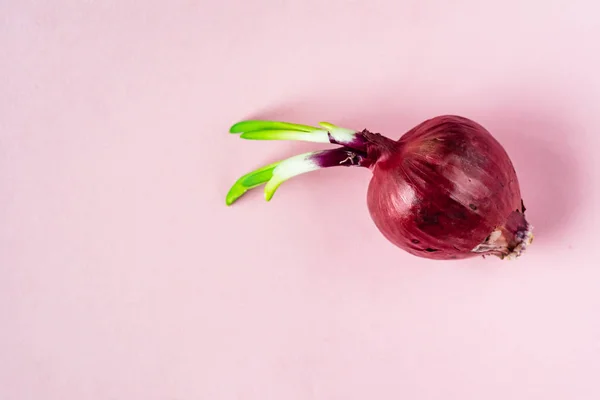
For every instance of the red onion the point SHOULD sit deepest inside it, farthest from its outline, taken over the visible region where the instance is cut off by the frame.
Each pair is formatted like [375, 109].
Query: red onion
[446, 189]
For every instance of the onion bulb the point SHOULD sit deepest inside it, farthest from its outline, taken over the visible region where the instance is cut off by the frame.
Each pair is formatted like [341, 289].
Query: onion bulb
[445, 190]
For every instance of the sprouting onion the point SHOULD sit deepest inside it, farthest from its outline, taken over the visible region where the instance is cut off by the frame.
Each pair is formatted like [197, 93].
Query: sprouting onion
[446, 189]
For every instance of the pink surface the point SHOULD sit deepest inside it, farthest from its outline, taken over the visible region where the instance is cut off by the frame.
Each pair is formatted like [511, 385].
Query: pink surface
[124, 276]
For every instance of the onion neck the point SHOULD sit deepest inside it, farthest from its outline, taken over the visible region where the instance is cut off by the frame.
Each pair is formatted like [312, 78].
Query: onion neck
[377, 147]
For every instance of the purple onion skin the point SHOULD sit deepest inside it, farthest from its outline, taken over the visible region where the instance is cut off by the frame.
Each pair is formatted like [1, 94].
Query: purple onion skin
[443, 188]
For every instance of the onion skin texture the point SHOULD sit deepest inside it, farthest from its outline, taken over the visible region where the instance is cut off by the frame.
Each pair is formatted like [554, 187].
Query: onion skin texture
[443, 188]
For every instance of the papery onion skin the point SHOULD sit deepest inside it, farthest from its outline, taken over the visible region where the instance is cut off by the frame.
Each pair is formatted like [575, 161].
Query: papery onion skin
[443, 188]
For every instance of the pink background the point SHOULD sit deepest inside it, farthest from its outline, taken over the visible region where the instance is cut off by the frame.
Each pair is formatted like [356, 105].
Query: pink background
[124, 276]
